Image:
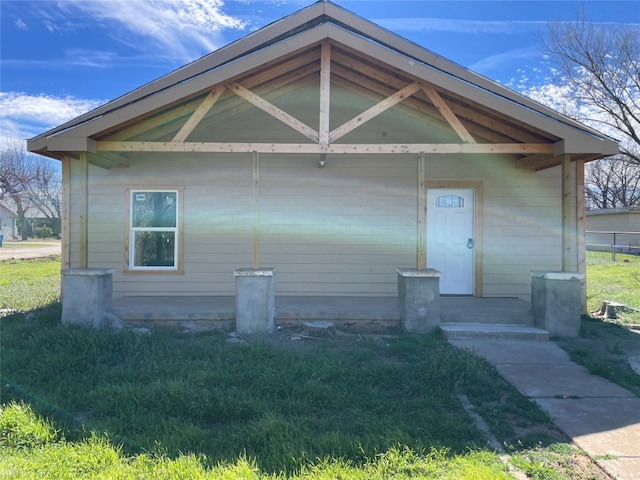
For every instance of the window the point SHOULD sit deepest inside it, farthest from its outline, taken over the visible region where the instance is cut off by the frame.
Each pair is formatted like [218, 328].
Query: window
[449, 201]
[154, 229]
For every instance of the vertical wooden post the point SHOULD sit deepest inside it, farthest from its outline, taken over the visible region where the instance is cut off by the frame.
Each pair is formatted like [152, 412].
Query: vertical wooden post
[325, 87]
[65, 221]
[256, 210]
[580, 230]
[422, 214]
[84, 210]
[567, 234]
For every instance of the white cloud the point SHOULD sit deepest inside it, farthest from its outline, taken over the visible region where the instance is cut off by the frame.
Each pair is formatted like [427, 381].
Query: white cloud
[494, 62]
[181, 28]
[426, 24]
[24, 116]
[549, 89]
[20, 25]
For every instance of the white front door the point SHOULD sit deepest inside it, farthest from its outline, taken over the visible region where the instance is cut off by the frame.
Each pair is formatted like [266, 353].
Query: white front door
[451, 238]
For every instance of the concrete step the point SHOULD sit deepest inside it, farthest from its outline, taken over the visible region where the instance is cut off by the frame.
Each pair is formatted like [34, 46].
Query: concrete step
[485, 310]
[493, 331]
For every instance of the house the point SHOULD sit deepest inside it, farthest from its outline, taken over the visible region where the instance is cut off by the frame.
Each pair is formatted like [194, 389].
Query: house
[610, 227]
[334, 151]
[8, 220]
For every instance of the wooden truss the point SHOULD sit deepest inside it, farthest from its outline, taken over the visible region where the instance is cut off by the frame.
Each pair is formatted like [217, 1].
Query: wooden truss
[323, 140]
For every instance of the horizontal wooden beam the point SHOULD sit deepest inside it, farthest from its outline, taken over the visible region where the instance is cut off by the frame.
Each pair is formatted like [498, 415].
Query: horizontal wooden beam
[340, 148]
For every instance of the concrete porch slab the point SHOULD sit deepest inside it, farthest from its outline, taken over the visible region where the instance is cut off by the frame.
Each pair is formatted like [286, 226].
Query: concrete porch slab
[152, 308]
[288, 308]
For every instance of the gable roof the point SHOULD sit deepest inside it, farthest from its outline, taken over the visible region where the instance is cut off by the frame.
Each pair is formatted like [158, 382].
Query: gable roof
[444, 88]
[8, 212]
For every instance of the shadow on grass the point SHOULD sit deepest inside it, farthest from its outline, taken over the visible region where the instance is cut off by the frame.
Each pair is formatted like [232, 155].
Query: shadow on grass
[283, 403]
[605, 348]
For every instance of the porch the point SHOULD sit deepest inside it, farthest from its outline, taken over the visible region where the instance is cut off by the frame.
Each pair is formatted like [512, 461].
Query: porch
[459, 316]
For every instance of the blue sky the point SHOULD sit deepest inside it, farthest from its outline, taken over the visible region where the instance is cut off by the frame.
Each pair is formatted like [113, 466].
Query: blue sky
[61, 58]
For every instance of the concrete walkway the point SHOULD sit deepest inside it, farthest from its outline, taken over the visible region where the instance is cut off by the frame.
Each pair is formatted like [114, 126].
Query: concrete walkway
[600, 417]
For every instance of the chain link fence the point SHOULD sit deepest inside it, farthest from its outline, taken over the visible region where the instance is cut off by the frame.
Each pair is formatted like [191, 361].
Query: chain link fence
[627, 243]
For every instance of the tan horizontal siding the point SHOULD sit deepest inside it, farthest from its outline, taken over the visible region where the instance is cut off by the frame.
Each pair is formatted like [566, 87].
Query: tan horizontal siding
[341, 230]
[356, 222]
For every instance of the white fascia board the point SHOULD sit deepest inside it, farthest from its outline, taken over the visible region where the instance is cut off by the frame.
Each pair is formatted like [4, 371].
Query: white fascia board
[586, 144]
[71, 144]
[37, 144]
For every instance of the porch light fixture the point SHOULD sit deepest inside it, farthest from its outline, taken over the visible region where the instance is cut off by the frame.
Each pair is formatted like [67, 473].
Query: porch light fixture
[323, 160]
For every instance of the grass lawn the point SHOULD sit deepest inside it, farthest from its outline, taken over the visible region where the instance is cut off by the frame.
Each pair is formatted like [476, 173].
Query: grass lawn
[617, 281]
[29, 284]
[80, 403]
[363, 406]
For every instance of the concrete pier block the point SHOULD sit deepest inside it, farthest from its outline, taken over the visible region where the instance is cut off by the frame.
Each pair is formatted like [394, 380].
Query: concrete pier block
[556, 302]
[86, 295]
[419, 297]
[255, 300]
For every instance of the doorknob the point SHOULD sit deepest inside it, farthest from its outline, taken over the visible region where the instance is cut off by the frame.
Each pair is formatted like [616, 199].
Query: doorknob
[470, 243]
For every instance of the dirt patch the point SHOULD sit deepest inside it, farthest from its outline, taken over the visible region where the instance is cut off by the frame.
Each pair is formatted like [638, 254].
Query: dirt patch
[28, 250]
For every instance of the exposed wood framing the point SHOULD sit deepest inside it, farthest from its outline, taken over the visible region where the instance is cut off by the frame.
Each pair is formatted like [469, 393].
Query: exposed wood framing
[448, 114]
[374, 111]
[256, 210]
[236, 105]
[199, 114]
[272, 110]
[581, 227]
[65, 224]
[265, 83]
[83, 261]
[339, 148]
[479, 240]
[422, 213]
[345, 68]
[325, 95]
[567, 233]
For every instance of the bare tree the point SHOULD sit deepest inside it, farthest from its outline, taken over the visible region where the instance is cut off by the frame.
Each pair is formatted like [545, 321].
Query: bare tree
[612, 183]
[31, 183]
[14, 170]
[15, 178]
[601, 66]
[45, 192]
[597, 81]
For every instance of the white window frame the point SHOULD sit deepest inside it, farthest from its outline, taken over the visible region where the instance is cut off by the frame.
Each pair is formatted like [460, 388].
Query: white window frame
[176, 230]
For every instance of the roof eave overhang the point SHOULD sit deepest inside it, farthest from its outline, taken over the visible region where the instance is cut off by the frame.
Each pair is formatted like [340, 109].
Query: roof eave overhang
[587, 145]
